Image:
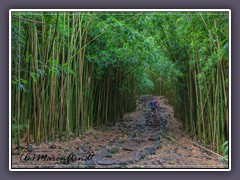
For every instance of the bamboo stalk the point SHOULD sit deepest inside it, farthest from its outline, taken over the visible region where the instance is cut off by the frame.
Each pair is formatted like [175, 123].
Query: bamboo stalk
[19, 92]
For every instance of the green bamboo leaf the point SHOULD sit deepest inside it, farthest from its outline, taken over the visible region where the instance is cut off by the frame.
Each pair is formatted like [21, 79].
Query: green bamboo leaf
[21, 86]
[34, 77]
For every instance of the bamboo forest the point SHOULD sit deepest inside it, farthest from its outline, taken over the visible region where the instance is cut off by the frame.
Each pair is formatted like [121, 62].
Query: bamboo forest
[82, 83]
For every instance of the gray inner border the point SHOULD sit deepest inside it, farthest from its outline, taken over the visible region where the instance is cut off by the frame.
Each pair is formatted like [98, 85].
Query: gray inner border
[124, 4]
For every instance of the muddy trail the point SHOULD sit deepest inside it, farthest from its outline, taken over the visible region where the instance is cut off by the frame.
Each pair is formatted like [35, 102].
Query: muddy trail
[139, 141]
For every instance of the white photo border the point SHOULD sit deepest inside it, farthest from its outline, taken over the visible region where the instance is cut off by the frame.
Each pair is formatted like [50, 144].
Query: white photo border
[117, 10]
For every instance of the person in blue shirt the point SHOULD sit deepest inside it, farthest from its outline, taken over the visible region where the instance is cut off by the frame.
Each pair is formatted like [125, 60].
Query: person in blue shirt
[153, 105]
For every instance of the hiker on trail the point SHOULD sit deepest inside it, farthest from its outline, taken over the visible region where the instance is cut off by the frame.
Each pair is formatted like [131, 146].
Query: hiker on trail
[156, 100]
[154, 105]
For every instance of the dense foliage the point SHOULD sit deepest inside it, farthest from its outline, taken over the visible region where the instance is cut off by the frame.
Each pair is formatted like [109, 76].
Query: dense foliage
[72, 71]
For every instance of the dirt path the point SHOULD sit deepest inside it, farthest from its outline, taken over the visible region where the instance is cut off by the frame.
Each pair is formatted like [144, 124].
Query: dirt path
[137, 142]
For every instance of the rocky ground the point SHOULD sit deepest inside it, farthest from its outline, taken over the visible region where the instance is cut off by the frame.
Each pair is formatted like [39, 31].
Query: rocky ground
[138, 142]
